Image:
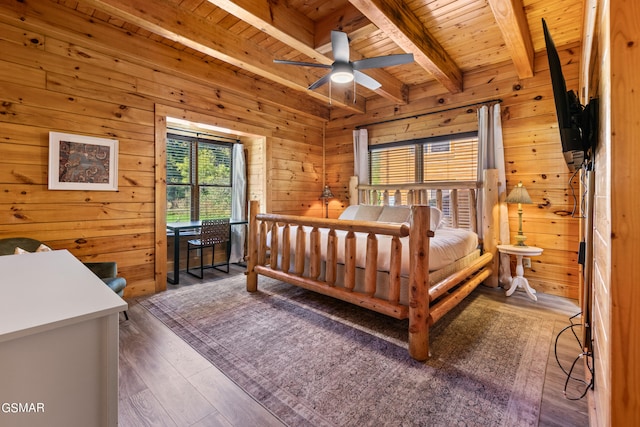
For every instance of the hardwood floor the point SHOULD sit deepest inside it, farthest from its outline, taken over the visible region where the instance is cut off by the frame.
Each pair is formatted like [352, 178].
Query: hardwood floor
[164, 382]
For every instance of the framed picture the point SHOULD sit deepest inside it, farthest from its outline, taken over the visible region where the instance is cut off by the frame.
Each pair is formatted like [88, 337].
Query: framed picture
[78, 162]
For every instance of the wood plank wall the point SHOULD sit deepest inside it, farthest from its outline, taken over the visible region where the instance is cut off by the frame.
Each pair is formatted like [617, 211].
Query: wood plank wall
[602, 240]
[532, 151]
[625, 215]
[616, 319]
[67, 72]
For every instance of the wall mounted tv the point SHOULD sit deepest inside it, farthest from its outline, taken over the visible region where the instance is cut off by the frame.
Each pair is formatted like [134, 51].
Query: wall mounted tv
[577, 123]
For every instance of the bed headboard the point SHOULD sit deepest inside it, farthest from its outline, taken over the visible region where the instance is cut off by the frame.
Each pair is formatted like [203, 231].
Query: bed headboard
[457, 199]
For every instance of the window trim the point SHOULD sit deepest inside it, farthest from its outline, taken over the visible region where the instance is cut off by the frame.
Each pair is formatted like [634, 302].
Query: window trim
[428, 140]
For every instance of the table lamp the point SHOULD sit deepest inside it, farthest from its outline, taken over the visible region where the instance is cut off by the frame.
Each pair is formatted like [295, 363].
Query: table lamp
[519, 195]
[326, 195]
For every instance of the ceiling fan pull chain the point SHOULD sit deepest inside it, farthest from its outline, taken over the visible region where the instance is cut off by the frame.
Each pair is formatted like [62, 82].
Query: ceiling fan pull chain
[354, 91]
[329, 91]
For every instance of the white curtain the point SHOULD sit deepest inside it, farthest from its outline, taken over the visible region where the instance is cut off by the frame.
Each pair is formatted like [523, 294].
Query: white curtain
[361, 155]
[238, 204]
[491, 156]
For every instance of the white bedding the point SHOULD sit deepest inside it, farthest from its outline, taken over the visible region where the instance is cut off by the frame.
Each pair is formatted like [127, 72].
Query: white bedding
[447, 246]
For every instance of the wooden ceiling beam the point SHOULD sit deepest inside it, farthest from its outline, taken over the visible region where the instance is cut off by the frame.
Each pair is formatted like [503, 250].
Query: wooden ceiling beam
[402, 26]
[513, 24]
[347, 19]
[168, 20]
[275, 18]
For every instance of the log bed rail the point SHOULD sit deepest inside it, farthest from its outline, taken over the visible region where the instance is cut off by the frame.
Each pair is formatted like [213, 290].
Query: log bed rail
[426, 305]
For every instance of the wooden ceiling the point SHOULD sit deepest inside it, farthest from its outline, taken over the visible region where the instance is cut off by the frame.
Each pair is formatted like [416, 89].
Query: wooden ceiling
[447, 38]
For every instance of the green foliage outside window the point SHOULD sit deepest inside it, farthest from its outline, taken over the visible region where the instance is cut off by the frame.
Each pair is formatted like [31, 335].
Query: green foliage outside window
[198, 179]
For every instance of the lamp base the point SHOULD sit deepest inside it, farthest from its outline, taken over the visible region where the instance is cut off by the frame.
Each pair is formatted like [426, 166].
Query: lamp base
[520, 239]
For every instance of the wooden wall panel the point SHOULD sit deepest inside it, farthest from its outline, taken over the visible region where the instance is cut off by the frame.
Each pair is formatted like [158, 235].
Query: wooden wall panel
[616, 319]
[625, 215]
[256, 170]
[67, 72]
[533, 153]
[296, 176]
[601, 286]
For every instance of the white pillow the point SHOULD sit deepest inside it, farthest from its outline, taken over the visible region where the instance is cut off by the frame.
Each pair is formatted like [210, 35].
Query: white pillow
[350, 212]
[389, 214]
[435, 218]
[41, 248]
[368, 213]
[395, 214]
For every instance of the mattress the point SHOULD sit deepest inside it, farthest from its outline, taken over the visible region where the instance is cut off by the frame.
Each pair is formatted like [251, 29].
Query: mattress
[447, 246]
[382, 278]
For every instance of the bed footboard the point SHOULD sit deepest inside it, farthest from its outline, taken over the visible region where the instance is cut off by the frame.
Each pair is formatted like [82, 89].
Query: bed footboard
[276, 260]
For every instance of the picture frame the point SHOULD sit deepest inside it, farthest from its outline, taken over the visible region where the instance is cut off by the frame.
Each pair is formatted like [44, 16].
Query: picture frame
[78, 162]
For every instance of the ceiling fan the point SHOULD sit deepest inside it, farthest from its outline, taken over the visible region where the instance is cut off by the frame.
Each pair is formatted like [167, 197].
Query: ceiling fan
[344, 71]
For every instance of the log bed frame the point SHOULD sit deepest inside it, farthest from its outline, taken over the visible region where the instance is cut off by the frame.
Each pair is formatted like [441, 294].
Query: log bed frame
[427, 304]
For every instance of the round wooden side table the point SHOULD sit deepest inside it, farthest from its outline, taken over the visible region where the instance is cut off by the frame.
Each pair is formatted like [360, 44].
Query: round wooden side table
[520, 281]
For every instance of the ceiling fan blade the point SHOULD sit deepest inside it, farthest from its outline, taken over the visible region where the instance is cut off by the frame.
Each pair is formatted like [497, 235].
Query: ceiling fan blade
[366, 81]
[340, 46]
[383, 61]
[320, 82]
[304, 64]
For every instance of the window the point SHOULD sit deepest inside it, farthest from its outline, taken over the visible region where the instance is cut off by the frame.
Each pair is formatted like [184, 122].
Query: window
[198, 178]
[454, 158]
[451, 158]
[393, 165]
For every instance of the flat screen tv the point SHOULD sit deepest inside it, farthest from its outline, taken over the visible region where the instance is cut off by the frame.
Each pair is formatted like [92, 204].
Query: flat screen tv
[574, 121]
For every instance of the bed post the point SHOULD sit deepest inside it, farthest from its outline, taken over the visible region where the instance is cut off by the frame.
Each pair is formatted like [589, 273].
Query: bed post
[353, 191]
[252, 276]
[491, 222]
[419, 282]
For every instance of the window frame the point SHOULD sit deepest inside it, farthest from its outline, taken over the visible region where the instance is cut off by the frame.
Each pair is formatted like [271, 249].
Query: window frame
[422, 146]
[195, 144]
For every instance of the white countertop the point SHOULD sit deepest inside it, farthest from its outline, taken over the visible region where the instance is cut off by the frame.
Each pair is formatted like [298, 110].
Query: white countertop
[46, 290]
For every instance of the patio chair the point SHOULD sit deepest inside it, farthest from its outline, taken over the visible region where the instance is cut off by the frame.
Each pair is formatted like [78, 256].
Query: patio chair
[213, 232]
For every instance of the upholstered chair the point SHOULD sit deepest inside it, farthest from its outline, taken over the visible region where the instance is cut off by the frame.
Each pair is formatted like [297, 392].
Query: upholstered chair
[8, 246]
[108, 272]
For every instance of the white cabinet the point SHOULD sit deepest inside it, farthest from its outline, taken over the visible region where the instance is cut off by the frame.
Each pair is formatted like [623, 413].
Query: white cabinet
[58, 343]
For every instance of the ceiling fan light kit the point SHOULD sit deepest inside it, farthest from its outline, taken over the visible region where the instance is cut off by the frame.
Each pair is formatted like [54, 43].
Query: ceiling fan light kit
[342, 73]
[345, 71]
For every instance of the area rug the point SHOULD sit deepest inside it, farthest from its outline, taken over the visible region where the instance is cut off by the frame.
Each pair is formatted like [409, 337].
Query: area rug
[315, 361]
